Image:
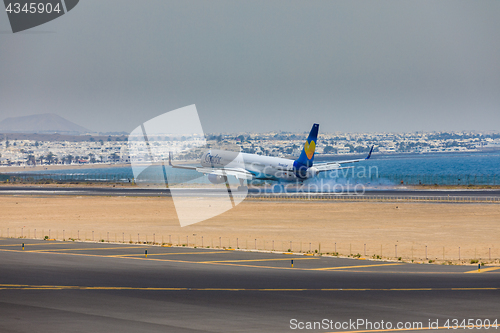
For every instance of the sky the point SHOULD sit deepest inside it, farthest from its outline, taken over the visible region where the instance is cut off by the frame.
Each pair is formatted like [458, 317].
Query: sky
[259, 66]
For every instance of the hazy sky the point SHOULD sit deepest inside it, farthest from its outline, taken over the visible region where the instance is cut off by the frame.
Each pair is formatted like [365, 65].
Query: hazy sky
[355, 66]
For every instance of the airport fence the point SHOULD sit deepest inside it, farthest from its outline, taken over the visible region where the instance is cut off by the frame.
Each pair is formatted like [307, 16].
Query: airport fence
[455, 180]
[407, 252]
[374, 198]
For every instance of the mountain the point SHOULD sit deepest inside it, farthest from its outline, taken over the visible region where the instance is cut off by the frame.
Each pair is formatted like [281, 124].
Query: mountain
[40, 123]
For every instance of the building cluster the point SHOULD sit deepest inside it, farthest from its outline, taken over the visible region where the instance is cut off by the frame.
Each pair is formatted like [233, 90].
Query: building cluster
[282, 144]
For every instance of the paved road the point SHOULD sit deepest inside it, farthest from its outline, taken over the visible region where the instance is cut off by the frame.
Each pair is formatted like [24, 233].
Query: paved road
[100, 287]
[110, 191]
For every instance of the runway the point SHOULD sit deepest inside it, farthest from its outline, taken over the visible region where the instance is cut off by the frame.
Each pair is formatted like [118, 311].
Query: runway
[99, 287]
[133, 191]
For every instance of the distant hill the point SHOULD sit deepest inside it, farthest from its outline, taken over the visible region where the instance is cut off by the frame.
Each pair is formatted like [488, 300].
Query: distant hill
[40, 123]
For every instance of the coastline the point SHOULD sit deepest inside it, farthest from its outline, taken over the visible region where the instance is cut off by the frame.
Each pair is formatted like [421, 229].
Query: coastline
[21, 169]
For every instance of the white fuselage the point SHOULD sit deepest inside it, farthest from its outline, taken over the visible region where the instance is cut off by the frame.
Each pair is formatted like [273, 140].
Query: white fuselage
[263, 167]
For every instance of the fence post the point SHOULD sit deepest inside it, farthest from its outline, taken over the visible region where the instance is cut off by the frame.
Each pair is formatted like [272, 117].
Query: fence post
[396, 250]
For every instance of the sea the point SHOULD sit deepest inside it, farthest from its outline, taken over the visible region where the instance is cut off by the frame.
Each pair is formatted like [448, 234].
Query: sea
[475, 168]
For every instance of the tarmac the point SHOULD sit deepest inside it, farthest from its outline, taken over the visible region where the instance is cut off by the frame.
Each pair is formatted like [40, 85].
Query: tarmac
[54, 286]
[164, 192]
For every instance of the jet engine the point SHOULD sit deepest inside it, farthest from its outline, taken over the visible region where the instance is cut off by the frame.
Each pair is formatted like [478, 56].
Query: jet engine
[215, 179]
[312, 172]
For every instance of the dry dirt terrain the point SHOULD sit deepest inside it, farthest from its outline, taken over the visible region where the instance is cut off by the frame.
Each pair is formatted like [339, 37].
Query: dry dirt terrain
[387, 229]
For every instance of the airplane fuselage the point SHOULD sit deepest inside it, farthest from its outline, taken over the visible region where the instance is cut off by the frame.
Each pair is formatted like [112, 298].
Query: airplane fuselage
[263, 167]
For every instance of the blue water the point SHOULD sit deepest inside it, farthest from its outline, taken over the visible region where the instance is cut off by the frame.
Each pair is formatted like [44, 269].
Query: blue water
[457, 168]
[434, 164]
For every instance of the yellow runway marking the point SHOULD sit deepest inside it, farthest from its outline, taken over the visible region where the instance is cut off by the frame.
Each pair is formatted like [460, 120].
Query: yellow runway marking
[140, 256]
[37, 244]
[247, 260]
[347, 267]
[91, 249]
[398, 272]
[169, 254]
[56, 287]
[489, 269]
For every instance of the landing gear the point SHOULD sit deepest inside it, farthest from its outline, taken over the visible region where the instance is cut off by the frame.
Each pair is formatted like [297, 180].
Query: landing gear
[242, 188]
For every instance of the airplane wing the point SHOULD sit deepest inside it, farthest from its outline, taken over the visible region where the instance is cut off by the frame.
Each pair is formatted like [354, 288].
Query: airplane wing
[236, 172]
[338, 165]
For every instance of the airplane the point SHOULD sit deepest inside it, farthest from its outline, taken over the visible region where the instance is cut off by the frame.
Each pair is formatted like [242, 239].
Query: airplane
[218, 164]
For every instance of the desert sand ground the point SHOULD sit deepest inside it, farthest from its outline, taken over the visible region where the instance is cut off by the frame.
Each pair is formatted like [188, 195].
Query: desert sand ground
[387, 229]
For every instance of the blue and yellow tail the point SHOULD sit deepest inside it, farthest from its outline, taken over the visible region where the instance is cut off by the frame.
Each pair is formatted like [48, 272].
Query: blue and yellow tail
[306, 157]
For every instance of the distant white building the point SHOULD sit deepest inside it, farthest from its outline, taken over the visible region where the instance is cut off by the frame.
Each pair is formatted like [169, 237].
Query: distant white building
[387, 149]
[343, 150]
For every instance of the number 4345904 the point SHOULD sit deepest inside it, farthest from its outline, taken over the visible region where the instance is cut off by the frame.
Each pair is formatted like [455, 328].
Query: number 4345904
[471, 323]
[33, 8]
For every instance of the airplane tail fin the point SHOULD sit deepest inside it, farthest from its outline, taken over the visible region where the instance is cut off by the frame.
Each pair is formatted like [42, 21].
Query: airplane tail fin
[307, 155]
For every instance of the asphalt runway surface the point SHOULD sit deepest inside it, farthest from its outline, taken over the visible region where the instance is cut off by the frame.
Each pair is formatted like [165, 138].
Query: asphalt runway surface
[99, 287]
[124, 191]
